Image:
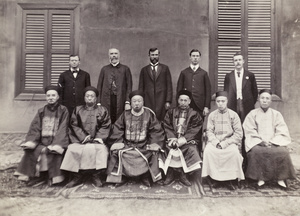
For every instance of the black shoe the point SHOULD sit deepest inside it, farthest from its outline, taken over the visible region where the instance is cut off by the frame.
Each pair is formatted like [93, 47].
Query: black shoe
[77, 179]
[97, 182]
[170, 177]
[183, 179]
[146, 181]
[123, 181]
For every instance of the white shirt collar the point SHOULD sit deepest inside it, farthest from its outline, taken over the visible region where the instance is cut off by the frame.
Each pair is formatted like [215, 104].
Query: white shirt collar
[194, 66]
[115, 64]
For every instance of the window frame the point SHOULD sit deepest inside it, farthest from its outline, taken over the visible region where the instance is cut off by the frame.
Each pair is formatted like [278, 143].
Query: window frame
[19, 80]
[276, 72]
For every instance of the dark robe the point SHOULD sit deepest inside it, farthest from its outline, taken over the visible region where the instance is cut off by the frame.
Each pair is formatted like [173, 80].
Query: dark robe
[191, 128]
[157, 90]
[72, 88]
[136, 132]
[121, 87]
[40, 134]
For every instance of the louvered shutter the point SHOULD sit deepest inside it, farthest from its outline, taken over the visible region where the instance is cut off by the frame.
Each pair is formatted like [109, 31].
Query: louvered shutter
[229, 36]
[259, 41]
[245, 25]
[47, 43]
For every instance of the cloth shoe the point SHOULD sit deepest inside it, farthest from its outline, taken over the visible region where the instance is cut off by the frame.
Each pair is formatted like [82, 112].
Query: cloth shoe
[170, 177]
[146, 180]
[123, 181]
[230, 185]
[96, 180]
[77, 179]
[38, 180]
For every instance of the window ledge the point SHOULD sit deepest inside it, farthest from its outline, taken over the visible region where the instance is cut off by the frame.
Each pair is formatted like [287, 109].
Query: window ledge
[30, 97]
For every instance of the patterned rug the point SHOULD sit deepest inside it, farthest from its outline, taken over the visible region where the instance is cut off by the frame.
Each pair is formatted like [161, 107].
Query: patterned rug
[11, 187]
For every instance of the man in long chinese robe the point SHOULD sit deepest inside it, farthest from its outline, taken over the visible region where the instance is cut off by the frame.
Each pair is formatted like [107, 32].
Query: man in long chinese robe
[267, 136]
[137, 139]
[222, 160]
[90, 126]
[182, 124]
[45, 143]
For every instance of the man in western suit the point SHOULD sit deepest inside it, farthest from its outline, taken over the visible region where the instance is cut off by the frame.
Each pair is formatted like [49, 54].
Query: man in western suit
[156, 83]
[241, 87]
[196, 80]
[72, 83]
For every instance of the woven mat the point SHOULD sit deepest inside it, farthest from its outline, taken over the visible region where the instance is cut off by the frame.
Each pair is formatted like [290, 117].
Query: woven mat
[11, 187]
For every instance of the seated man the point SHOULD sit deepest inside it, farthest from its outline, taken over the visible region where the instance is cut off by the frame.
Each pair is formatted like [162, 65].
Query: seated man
[266, 139]
[45, 143]
[136, 139]
[182, 125]
[222, 160]
[90, 126]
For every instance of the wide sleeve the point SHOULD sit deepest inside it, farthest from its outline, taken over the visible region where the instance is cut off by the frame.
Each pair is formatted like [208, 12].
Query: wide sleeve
[100, 83]
[77, 135]
[34, 132]
[168, 124]
[61, 137]
[155, 132]
[103, 124]
[128, 83]
[194, 126]
[207, 90]
[237, 135]
[252, 138]
[118, 131]
[169, 86]
[210, 131]
[282, 135]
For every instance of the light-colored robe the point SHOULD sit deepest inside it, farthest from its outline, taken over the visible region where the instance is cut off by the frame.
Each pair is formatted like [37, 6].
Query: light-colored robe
[226, 163]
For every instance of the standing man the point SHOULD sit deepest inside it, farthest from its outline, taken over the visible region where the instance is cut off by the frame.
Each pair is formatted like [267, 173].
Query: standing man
[72, 83]
[196, 80]
[156, 83]
[241, 87]
[45, 142]
[114, 85]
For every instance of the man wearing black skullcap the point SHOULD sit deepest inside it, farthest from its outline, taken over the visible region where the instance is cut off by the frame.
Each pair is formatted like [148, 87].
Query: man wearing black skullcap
[267, 136]
[45, 143]
[136, 142]
[222, 160]
[182, 125]
[90, 126]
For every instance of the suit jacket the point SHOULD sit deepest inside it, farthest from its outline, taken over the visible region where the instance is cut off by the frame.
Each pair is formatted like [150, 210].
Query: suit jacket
[249, 91]
[72, 88]
[157, 91]
[198, 84]
[121, 74]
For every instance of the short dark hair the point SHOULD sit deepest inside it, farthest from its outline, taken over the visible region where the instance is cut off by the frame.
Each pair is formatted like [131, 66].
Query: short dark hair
[153, 49]
[195, 50]
[237, 54]
[74, 55]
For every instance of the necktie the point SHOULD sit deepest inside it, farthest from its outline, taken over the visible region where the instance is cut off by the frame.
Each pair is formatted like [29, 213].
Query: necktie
[194, 68]
[153, 72]
[239, 73]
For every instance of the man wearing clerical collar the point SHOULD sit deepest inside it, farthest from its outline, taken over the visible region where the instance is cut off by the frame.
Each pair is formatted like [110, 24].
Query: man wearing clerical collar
[182, 125]
[72, 83]
[136, 142]
[45, 143]
[114, 85]
[222, 160]
[267, 136]
[90, 126]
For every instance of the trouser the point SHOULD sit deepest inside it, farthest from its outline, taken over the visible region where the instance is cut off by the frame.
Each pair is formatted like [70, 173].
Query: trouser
[113, 108]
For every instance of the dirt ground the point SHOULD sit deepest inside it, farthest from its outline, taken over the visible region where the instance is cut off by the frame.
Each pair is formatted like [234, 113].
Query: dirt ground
[257, 206]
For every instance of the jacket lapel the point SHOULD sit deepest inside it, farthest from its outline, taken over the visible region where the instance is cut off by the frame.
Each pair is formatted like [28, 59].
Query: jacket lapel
[245, 78]
[149, 69]
[158, 71]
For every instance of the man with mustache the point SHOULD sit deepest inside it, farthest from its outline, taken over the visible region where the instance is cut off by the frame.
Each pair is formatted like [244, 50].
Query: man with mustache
[241, 87]
[156, 83]
[114, 85]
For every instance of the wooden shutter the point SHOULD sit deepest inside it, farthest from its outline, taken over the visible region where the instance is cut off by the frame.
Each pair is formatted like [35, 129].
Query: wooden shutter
[259, 41]
[34, 47]
[229, 36]
[48, 40]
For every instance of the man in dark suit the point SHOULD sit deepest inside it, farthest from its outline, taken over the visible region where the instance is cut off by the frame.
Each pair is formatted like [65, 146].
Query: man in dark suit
[156, 83]
[241, 87]
[196, 80]
[72, 83]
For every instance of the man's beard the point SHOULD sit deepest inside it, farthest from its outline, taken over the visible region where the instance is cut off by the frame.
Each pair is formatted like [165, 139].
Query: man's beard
[154, 60]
